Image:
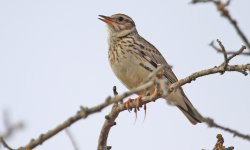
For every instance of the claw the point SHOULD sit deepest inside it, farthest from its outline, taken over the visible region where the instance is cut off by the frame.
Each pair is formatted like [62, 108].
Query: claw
[138, 105]
[145, 111]
[138, 102]
[135, 110]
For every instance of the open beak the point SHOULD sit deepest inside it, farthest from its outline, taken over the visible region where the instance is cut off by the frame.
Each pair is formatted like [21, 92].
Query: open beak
[106, 19]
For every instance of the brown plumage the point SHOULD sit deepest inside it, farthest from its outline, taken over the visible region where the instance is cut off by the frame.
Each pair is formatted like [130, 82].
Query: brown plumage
[132, 59]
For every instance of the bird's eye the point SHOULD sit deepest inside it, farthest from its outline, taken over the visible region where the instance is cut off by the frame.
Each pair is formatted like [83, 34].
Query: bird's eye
[120, 19]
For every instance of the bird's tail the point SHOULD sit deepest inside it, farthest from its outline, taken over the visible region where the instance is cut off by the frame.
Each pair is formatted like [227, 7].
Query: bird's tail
[182, 102]
[192, 114]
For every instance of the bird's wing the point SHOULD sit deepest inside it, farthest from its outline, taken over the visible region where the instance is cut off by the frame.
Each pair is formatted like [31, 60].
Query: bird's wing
[155, 58]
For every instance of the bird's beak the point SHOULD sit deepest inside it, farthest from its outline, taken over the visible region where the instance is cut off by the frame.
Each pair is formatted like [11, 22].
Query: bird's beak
[106, 19]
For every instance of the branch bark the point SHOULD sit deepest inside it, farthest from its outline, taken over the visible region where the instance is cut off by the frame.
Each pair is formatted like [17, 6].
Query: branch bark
[212, 124]
[84, 112]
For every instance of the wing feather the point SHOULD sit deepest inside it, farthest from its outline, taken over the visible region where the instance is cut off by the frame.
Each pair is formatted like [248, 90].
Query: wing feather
[153, 56]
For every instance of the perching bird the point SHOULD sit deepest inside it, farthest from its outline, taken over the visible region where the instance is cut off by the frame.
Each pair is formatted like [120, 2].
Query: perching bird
[132, 59]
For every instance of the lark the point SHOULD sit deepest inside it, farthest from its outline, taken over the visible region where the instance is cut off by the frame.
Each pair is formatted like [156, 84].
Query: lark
[132, 59]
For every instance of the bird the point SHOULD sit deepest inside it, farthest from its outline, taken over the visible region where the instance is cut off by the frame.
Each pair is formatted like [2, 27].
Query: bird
[133, 59]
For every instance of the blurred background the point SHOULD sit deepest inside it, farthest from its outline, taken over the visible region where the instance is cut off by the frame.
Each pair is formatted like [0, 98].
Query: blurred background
[53, 59]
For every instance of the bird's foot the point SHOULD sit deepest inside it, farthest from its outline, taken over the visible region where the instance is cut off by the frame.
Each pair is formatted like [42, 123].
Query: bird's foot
[126, 104]
[145, 111]
[139, 104]
[138, 101]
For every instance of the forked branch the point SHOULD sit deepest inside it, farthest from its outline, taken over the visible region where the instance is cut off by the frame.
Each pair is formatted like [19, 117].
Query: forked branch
[222, 8]
[153, 80]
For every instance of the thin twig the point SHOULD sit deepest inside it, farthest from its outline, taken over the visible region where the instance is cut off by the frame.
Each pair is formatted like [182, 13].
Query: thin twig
[72, 140]
[228, 52]
[194, 76]
[10, 128]
[222, 8]
[227, 59]
[5, 144]
[240, 51]
[111, 117]
[85, 112]
[224, 52]
[212, 124]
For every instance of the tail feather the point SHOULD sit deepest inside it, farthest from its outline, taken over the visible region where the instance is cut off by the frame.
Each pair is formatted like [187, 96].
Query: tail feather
[181, 101]
[191, 113]
[193, 117]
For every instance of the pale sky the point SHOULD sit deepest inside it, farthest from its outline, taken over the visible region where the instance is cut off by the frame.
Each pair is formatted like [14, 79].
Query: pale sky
[53, 58]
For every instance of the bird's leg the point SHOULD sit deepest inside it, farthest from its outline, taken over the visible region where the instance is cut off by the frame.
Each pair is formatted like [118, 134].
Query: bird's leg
[145, 111]
[138, 102]
[137, 106]
[135, 110]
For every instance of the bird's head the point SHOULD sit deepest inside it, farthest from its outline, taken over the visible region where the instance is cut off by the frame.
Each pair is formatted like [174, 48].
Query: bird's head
[119, 24]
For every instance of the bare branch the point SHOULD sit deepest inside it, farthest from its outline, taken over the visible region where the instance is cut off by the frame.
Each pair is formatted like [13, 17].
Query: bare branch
[10, 128]
[117, 108]
[110, 119]
[83, 113]
[222, 8]
[210, 122]
[226, 58]
[228, 52]
[240, 51]
[5, 144]
[108, 123]
[220, 69]
[223, 51]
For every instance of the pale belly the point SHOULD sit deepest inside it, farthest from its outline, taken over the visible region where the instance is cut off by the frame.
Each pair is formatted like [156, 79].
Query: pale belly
[129, 71]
